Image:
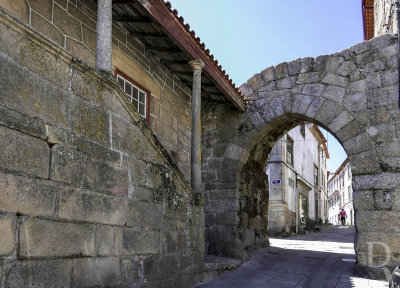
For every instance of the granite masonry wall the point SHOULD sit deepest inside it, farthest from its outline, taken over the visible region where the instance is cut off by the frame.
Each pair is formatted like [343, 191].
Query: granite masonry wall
[354, 95]
[88, 195]
[71, 24]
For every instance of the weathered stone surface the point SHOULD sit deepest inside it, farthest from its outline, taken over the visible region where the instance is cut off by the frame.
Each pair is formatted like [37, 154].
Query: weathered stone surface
[363, 200]
[28, 125]
[156, 267]
[44, 238]
[47, 28]
[364, 163]
[281, 70]
[358, 144]
[107, 178]
[340, 121]
[66, 23]
[27, 196]
[373, 221]
[84, 205]
[268, 74]
[23, 153]
[378, 181]
[67, 165]
[95, 272]
[31, 94]
[39, 273]
[105, 240]
[90, 121]
[131, 241]
[7, 228]
[144, 214]
[129, 272]
[94, 150]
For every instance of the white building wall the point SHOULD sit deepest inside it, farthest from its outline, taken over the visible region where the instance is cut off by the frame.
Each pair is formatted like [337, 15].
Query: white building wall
[305, 156]
[341, 185]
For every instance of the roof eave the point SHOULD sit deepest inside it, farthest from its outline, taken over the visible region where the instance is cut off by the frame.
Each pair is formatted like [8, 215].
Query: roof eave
[174, 29]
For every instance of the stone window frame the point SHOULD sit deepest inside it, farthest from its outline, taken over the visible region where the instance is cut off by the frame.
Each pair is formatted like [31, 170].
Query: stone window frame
[289, 150]
[121, 75]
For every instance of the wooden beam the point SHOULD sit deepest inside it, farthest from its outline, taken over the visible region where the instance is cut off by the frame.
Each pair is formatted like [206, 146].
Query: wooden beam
[175, 30]
[182, 72]
[163, 49]
[133, 19]
[173, 61]
[124, 1]
[147, 35]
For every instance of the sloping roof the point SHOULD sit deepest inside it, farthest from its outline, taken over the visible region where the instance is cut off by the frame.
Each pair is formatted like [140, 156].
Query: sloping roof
[322, 139]
[165, 34]
[368, 18]
[339, 169]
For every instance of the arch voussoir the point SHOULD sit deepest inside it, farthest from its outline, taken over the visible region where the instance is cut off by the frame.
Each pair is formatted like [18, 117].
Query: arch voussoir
[353, 94]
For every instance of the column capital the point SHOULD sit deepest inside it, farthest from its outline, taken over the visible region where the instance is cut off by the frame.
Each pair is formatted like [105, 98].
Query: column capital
[197, 65]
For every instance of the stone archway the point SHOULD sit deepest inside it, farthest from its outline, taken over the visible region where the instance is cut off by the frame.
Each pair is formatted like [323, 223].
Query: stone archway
[354, 95]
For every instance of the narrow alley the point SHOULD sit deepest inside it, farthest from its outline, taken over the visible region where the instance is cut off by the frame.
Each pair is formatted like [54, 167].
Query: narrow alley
[323, 259]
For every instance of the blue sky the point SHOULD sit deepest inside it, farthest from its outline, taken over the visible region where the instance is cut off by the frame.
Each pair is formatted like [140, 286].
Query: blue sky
[248, 36]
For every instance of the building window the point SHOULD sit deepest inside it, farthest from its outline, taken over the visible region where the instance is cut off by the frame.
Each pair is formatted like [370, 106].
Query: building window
[349, 171]
[289, 150]
[315, 175]
[349, 192]
[303, 130]
[137, 95]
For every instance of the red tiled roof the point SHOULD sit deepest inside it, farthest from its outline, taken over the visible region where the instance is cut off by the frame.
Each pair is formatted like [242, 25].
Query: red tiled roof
[203, 48]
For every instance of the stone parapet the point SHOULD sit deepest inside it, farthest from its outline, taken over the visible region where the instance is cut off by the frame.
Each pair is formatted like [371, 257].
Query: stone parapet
[90, 197]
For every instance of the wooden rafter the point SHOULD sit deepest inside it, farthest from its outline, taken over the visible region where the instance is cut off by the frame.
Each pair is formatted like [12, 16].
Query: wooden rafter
[133, 19]
[147, 35]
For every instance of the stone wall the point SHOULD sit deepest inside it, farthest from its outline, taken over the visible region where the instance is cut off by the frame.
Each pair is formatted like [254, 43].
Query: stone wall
[88, 195]
[385, 20]
[354, 95]
[71, 24]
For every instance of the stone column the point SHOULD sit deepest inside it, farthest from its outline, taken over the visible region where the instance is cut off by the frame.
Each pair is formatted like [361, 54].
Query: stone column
[197, 66]
[103, 39]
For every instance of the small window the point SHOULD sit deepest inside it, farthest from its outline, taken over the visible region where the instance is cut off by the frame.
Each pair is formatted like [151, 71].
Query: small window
[137, 95]
[349, 171]
[303, 130]
[349, 192]
[289, 150]
[315, 175]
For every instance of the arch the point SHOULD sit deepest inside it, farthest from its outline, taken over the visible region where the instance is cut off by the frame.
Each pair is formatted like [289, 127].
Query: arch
[352, 94]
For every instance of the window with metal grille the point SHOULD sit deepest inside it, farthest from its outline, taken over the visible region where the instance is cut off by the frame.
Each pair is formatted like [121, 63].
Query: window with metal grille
[137, 95]
[289, 150]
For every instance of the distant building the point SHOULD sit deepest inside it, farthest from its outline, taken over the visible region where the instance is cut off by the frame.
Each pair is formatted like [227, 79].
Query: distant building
[297, 180]
[340, 194]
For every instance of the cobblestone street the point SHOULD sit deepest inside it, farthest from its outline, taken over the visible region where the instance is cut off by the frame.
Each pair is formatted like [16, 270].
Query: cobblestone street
[324, 259]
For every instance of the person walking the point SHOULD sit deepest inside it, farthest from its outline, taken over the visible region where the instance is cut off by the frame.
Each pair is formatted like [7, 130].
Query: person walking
[343, 216]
